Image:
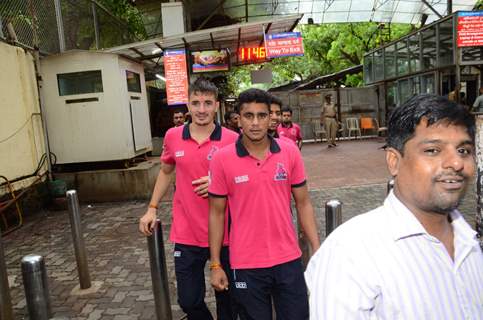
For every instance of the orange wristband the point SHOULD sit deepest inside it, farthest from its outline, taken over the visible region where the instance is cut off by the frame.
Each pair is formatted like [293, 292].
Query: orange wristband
[215, 265]
[153, 206]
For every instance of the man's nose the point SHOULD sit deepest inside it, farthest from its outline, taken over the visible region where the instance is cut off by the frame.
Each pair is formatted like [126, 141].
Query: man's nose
[453, 159]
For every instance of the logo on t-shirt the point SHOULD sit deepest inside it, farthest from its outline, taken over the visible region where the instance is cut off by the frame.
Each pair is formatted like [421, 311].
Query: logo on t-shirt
[241, 179]
[293, 132]
[240, 285]
[280, 173]
[212, 152]
[179, 153]
[177, 254]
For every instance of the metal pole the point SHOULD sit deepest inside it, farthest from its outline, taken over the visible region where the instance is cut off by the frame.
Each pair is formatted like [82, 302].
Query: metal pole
[36, 287]
[159, 274]
[5, 301]
[333, 215]
[96, 24]
[60, 25]
[79, 246]
[390, 185]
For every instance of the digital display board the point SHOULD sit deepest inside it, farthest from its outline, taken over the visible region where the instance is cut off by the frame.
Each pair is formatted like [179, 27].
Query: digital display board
[252, 55]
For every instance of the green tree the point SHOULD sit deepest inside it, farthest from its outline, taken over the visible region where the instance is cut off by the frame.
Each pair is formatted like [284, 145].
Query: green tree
[129, 14]
[328, 48]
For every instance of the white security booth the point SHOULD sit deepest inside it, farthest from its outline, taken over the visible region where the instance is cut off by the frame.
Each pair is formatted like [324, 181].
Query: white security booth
[95, 106]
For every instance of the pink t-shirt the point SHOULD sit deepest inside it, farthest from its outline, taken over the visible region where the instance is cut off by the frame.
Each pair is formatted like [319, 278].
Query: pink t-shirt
[293, 132]
[262, 233]
[190, 211]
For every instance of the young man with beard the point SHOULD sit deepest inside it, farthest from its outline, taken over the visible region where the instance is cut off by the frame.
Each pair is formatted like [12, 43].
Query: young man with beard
[415, 257]
[189, 149]
[275, 116]
[289, 129]
[256, 176]
[178, 118]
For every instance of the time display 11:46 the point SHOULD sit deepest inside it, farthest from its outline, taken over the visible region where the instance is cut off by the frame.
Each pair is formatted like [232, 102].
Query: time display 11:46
[252, 54]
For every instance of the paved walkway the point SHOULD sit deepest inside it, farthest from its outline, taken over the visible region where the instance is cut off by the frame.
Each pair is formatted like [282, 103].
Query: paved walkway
[354, 172]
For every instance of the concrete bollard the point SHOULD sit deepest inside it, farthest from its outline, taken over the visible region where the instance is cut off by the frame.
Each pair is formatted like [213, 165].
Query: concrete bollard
[390, 185]
[333, 215]
[5, 300]
[159, 274]
[79, 246]
[36, 287]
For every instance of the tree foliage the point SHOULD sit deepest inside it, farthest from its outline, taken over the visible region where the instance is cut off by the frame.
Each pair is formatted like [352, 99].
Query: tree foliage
[328, 48]
[128, 13]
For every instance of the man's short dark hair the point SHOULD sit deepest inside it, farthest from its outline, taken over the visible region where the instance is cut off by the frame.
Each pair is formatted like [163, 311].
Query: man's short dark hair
[276, 100]
[287, 109]
[254, 95]
[178, 111]
[202, 85]
[405, 118]
[228, 115]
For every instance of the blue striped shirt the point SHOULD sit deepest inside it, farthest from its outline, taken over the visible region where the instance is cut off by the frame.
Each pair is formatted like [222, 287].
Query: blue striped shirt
[384, 265]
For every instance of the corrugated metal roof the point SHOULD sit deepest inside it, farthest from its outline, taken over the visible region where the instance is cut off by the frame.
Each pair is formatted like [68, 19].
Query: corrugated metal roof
[232, 37]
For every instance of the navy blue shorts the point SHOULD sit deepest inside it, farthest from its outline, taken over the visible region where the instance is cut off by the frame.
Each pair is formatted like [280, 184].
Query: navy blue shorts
[189, 264]
[254, 290]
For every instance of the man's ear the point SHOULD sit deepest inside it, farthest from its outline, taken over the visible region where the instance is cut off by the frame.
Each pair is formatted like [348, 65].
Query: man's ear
[393, 160]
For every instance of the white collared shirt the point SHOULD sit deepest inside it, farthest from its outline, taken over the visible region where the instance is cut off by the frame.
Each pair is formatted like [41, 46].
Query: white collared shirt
[384, 265]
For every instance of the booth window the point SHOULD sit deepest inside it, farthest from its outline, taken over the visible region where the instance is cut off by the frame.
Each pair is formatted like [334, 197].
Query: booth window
[79, 82]
[378, 65]
[429, 48]
[446, 43]
[133, 81]
[368, 78]
[402, 57]
[390, 61]
[414, 51]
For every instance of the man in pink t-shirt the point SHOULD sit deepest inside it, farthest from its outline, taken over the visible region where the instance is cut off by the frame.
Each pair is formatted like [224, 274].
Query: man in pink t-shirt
[190, 148]
[289, 129]
[257, 176]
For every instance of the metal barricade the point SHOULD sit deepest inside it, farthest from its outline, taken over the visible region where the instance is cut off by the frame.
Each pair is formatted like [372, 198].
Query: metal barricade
[159, 274]
[5, 300]
[36, 287]
[79, 246]
[333, 215]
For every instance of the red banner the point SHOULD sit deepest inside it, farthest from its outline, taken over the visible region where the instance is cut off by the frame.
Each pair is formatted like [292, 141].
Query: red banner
[284, 44]
[470, 29]
[176, 74]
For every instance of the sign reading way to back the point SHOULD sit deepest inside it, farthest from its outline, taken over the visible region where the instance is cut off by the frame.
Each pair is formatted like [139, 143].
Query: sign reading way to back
[284, 44]
[176, 74]
[470, 29]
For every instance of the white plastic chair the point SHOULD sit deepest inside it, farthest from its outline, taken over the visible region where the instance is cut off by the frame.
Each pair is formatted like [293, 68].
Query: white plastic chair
[352, 125]
[318, 130]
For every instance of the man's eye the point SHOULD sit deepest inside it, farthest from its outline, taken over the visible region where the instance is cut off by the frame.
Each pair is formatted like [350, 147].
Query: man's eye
[431, 151]
[465, 151]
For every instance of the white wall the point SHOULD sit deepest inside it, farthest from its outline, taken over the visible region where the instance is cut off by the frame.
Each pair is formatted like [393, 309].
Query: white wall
[21, 137]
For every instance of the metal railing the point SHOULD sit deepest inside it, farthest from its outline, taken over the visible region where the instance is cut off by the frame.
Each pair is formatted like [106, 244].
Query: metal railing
[76, 24]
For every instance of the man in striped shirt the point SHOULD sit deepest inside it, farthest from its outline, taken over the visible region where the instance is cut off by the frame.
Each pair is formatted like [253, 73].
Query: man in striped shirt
[415, 257]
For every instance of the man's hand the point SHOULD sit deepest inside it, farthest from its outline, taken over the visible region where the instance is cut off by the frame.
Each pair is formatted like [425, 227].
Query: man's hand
[218, 280]
[201, 186]
[146, 223]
